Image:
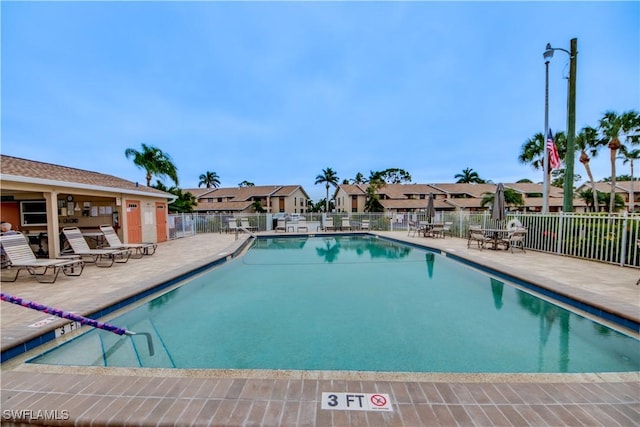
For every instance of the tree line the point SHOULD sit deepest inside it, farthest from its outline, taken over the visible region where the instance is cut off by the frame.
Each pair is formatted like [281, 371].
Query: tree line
[620, 133]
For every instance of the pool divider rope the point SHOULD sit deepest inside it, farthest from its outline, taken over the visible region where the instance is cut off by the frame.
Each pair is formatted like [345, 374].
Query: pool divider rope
[76, 318]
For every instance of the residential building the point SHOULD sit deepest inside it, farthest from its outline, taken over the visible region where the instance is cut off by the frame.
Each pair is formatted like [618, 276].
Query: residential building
[273, 198]
[399, 198]
[623, 189]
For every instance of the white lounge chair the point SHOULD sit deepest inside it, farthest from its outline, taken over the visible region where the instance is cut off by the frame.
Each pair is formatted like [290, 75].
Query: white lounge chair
[302, 225]
[114, 242]
[281, 225]
[20, 257]
[232, 225]
[244, 225]
[100, 257]
[346, 224]
[328, 224]
[364, 224]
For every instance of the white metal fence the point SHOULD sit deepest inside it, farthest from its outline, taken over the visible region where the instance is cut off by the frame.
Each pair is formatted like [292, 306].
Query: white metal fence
[600, 237]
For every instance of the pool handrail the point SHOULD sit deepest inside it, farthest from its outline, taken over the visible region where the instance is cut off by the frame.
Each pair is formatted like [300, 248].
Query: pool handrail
[76, 318]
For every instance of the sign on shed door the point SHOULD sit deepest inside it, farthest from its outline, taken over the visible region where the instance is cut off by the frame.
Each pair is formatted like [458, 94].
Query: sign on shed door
[134, 222]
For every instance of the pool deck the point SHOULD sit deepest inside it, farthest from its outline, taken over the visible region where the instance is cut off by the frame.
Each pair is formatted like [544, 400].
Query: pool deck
[98, 397]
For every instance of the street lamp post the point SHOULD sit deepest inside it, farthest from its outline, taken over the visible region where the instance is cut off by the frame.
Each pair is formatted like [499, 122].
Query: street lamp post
[571, 121]
[545, 163]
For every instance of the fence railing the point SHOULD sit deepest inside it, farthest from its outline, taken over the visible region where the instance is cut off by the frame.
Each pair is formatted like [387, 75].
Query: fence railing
[599, 237]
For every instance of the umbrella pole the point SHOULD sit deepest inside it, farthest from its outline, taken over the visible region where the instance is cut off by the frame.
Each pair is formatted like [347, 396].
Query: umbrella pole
[76, 318]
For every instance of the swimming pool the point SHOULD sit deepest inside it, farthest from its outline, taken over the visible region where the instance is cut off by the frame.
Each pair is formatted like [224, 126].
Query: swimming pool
[353, 303]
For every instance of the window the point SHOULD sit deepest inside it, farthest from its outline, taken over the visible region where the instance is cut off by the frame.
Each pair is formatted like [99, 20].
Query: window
[33, 212]
[422, 197]
[219, 199]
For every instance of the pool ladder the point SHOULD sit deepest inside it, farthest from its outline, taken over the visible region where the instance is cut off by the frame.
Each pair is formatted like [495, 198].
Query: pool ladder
[149, 358]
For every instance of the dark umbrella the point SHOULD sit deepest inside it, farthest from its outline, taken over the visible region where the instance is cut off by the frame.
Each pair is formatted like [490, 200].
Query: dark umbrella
[498, 204]
[431, 210]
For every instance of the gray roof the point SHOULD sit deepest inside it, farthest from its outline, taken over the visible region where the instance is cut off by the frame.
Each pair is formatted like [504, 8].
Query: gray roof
[31, 171]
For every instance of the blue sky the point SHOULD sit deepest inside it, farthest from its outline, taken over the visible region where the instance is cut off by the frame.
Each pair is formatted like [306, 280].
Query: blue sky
[274, 92]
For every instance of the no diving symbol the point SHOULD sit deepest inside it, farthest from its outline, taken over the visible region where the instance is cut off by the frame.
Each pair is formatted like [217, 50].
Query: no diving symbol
[378, 400]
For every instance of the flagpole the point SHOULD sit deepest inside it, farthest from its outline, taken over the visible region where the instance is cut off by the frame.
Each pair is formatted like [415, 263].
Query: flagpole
[545, 162]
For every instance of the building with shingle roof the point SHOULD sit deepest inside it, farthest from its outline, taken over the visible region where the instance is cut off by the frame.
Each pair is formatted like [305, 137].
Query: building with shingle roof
[399, 198]
[40, 198]
[623, 188]
[273, 198]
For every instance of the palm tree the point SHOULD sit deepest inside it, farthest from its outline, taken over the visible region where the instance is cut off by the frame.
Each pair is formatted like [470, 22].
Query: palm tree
[587, 142]
[372, 203]
[532, 151]
[257, 206]
[613, 127]
[468, 176]
[329, 178]
[511, 198]
[209, 179]
[154, 162]
[359, 179]
[246, 183]
[184, 203]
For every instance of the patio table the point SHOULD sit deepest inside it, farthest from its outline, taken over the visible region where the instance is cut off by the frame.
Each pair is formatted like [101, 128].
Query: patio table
[496, 235]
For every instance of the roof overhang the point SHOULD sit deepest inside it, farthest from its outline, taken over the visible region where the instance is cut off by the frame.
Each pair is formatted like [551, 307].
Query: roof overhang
[80, 186]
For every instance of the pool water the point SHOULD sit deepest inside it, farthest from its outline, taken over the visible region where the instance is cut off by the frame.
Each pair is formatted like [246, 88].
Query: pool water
[353, 303]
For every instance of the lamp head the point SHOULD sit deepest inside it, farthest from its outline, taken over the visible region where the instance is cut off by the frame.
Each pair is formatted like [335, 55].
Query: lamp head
[548, 53]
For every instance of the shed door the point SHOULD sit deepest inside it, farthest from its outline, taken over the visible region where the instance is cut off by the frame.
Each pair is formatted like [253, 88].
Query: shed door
[161, 221]
[10, 212]
[134, 222]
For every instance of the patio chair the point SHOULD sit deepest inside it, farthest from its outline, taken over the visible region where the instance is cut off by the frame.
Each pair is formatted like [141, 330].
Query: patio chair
[20, 257]
[244, 225]
[447, 229]
[346, 224]
[364, 225]
[414, 228]
[302, 225]
[328, 224]
[436, 230]
[100, 257]
[232, 225]
[515, 239]
[138, 249]
[477, 235]
[281, 225]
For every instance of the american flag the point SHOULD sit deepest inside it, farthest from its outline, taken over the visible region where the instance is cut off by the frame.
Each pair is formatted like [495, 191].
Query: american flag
[554, 159]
